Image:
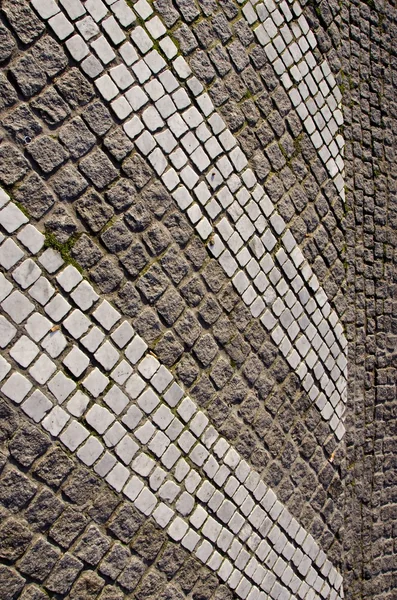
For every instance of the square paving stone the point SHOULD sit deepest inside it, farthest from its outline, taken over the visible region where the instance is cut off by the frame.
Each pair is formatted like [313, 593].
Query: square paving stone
[48, 153]
[16, 387]
[27, 273]
[57, 308]
[98, 118]
[42, 369]
[36, 406]
[17, 306]
[54, 343]
[24, 351]
[77, 137]
[31, 238]
[37, 326]
[94, 210]
[75, 88]
[49, 54]
[29, 76]
[34, 195]
[98, 168]
[51, 107]
[21, 124]
[61, 386]
[68, 183]
[13, 165]
[10, 254]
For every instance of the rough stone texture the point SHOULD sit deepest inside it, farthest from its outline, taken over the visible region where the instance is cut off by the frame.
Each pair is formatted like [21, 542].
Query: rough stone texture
[369, 98]
[246, 388]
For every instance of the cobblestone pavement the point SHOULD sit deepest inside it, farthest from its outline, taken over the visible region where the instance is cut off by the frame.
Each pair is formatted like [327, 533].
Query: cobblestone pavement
[174, 219]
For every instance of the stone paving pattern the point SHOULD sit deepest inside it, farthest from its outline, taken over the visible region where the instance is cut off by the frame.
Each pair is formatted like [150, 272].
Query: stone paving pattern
[66, 160]
[369, 58]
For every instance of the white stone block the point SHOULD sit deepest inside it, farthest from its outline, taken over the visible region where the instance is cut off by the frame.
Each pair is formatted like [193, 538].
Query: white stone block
[36, 406]
[146, 502]
[7, 332]
[45, 8]
[42, 369]
[57, 308]
[61, 26]
[118, 476]
[74, 435]
[31, 238]
[24, 351]
[10, 254]
[55, 421]
[17, 306]
[95, 382]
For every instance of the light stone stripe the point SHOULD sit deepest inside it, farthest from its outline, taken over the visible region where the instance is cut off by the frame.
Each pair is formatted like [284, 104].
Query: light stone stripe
[282, 29]
[239, 219]
[239, 528]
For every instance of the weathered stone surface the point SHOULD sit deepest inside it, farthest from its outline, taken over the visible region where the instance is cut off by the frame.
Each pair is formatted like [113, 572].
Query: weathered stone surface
[23, 20]
[115, 561]
[202, 67]
[34, 195]
[14, 539]
[43, 510]
[8, 95]
[64, 574]
[136, 168]
[103, 506]
[16, 491]
[8, 421]
[47, 153]
[76, 90]
[131, 575]
[87, 586]
[98, 168]
[7, 43]
[169, 349]
[68, 183]
[138, 217]
[81, 485]
[152, 284]
[51, 107]
[157, 199]
[28, 444]
[117, 237]
[98, 118]
[22, 124]
[61, 224]
[118, 144]
[170, 306]
[86, 252]
[92, 546]
[126, 523]
[13, 165]
[128, 300]
[39, 560]
[50, 56]
[11, 583]
[28, 75]
[76, 136]
[94, 210]
[54, 467]
[111, 593]
[134, 259]
[147, 324]
[107, 275]
[68, 527]
[33, 592]
[122, 194]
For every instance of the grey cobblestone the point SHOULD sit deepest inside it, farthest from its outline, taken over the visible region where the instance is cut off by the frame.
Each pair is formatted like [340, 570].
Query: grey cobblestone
[177, 265]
